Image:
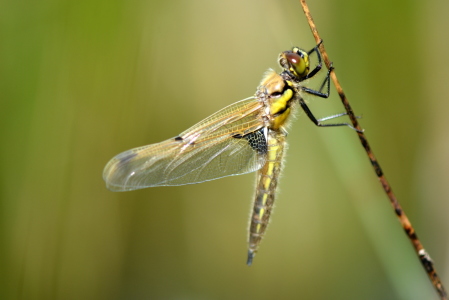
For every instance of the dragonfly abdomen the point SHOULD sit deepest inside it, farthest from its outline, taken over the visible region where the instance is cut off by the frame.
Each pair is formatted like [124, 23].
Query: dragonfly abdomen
[266, 184]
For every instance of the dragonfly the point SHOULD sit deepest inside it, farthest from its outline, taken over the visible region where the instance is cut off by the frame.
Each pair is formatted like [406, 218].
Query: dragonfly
[244, 137]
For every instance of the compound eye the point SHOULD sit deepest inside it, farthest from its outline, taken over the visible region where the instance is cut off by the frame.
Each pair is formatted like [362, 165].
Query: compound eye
[298, 62]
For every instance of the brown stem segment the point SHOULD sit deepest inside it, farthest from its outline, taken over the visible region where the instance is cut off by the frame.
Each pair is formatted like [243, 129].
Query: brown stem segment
[424, 257]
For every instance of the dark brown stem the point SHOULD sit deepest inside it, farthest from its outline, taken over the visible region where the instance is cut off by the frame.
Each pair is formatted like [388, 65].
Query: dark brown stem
[425, 259]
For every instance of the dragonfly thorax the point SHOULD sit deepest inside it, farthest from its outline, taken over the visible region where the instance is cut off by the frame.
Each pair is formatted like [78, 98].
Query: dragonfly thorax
[279, 99]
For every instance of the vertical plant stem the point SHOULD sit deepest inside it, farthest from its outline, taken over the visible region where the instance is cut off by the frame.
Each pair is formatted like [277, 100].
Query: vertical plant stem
[423, 256]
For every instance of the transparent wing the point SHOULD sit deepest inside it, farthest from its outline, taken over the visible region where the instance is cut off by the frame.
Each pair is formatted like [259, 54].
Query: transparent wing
[229, 142]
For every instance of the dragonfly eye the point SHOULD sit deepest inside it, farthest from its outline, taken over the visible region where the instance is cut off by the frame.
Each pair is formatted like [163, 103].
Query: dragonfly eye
[297, 62]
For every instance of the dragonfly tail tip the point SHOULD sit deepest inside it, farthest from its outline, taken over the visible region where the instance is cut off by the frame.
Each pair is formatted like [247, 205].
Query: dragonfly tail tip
[251, 254]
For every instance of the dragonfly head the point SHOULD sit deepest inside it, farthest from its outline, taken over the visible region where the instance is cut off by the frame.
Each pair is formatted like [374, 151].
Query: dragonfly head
[296, 62]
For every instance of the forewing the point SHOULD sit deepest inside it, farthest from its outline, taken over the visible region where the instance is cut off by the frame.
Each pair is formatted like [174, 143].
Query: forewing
[229, 142]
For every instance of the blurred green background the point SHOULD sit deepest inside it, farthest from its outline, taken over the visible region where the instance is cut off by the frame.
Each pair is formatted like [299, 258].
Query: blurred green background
[84, 80]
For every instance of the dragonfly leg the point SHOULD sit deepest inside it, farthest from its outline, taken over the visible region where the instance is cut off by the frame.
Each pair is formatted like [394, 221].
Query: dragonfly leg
[318, 123]
[320, 93]
[320, 64]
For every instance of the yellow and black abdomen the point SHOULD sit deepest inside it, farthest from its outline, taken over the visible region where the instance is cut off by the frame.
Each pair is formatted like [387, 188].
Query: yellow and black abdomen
[267, 179]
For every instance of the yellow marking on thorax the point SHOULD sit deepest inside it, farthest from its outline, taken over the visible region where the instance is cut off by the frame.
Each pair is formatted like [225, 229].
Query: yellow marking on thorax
[280, 109]
[281, 103]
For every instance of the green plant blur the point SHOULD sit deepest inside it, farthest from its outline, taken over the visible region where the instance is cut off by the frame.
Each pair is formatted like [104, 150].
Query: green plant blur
[81, 81]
